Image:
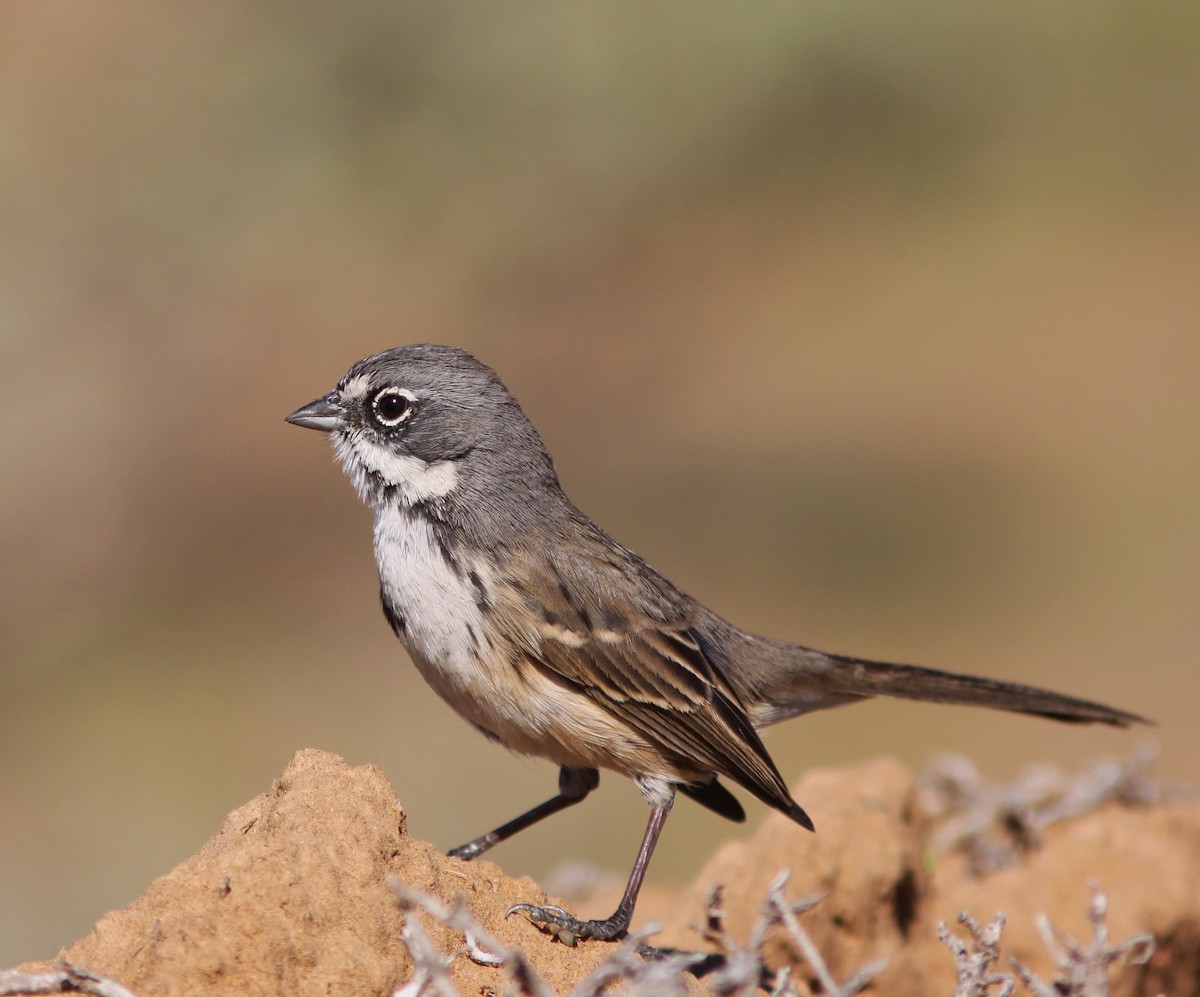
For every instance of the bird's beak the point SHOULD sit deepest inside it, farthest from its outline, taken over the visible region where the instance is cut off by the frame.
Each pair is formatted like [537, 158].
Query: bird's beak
[324, 414]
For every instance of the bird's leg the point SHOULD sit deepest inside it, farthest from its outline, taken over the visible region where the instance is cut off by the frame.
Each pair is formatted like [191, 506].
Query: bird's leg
[568, 929]
[573, 786]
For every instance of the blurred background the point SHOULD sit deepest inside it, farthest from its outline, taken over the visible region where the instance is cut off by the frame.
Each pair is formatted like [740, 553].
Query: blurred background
[877, 328]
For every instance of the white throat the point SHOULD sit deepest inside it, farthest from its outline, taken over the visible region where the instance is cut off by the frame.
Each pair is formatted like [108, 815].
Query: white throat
[414, 480]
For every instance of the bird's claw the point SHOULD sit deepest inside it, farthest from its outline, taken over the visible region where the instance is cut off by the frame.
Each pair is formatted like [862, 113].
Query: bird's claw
[557, 923]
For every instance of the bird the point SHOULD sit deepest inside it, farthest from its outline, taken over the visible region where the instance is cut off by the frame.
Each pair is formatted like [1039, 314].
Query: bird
[556, 641]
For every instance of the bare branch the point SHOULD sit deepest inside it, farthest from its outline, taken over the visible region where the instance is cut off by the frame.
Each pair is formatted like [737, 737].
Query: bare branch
[1083, 969]
[804, 944]
[66, 978]
[974, 962]
[993, 823]
[662, 976]
[480, 945]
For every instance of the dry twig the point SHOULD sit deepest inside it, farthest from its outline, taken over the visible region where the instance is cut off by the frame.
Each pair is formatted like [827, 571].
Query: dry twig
[431, 968]
[1083, 969]
[974, 962]
[66, 978]
[805, 946]
[995, 823]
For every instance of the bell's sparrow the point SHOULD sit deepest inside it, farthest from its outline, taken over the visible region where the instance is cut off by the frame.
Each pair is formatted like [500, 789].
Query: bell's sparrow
[551, 638]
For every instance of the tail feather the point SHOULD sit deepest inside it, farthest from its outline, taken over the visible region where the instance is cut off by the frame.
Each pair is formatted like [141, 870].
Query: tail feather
[877, 678]
[816, 680]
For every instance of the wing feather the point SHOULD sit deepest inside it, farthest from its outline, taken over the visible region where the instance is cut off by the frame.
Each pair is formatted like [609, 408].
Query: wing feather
[635, 650]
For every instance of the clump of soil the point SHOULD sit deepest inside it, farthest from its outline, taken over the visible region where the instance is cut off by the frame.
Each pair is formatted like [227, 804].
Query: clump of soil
[291, 897]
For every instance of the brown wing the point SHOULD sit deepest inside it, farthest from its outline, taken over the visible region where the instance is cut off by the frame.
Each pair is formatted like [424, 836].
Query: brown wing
[618, 632]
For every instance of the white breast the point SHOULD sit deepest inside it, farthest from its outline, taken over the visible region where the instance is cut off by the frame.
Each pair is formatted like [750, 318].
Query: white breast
[442, 622]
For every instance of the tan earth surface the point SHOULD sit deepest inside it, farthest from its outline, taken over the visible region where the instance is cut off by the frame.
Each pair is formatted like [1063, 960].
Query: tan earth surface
[290, 896]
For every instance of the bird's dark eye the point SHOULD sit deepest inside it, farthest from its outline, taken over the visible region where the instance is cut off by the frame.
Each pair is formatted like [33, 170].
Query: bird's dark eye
[392, 406]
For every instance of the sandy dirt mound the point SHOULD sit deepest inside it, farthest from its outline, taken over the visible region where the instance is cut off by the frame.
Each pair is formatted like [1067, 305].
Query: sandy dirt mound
[291, 896]
[885, 892]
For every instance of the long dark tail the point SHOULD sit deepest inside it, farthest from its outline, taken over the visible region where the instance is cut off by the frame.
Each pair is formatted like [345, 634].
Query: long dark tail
[813, 680]
[931, 685]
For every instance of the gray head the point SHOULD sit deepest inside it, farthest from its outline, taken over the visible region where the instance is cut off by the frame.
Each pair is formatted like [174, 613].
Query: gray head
[431, 426]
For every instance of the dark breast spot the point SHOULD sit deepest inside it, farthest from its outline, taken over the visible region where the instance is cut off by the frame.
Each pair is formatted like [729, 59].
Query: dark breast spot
[478, 592]
[495, 738]
[394, 618]
[445, 539]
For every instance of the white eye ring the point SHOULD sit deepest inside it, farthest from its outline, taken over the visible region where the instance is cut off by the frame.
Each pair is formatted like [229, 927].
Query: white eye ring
[392, 406]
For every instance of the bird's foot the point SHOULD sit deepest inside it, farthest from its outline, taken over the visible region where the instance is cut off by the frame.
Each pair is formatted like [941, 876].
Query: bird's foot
[473, 849]
[466, 852]
[560, 925]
